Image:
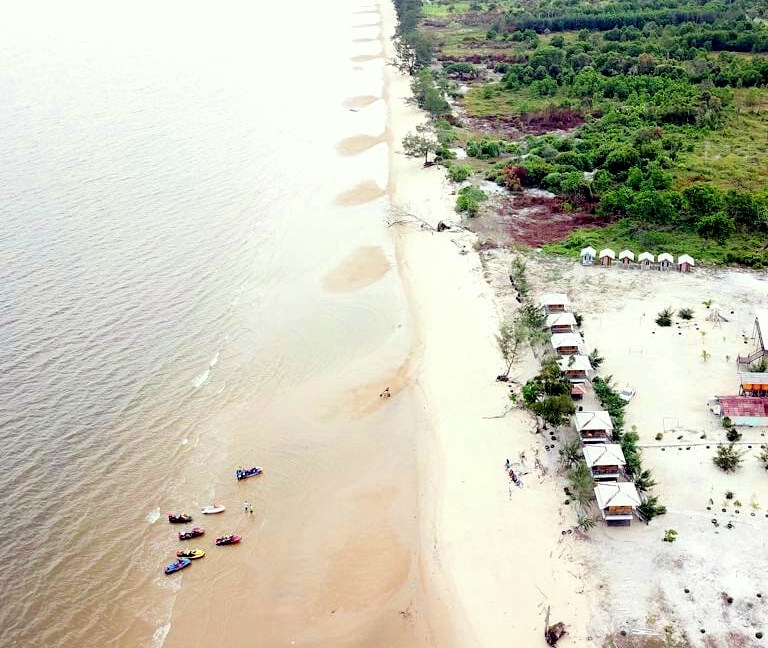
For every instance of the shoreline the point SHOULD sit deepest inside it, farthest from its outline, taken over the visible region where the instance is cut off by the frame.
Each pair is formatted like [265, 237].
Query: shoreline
[493, 559]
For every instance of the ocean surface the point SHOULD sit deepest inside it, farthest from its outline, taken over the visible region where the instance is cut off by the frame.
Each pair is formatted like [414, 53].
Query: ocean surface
[174, 188]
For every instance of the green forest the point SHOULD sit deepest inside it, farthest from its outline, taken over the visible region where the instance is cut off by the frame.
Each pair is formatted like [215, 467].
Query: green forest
[648, 116]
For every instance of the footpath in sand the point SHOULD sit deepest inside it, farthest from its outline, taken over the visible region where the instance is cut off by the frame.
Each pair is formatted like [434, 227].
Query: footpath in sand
[495, 554]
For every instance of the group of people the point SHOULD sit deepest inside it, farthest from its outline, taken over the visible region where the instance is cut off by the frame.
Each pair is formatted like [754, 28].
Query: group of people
[248, 507]
[514, 478]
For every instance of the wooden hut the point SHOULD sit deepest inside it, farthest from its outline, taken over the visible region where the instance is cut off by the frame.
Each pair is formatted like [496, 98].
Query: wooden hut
[567, 343]
[617, 502]
[576, 368]
[588, 256]
[578, 390]
[685, 263]
[627, 258]
[555, 303]
[561, 323]
[607, 255]
[594, 427]
[665, 261]
[753, 384]
[604, 460]
[646, 260]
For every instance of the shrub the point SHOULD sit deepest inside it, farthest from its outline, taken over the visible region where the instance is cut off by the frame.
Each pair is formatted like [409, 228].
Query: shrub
[733, 435]
[763, 458]
[685, 313]
[469, 200]
[670, 535]
[459, 172]
[665, 317]
[728, 459]
[650, 508]
[727, 422]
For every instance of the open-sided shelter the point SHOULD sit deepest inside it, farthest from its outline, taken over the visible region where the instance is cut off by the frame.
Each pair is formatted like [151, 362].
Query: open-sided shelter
[567, 343]
[594, 427]
[617, 502]
[760, 336]
[753, 384]
[555, 303]
[561, 323]
[604, 460]
[576, 367]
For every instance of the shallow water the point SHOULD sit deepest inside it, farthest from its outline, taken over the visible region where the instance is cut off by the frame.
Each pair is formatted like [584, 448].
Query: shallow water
[193, 249]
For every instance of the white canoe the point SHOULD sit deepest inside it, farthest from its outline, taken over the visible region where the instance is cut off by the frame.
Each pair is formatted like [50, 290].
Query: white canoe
[215, 508]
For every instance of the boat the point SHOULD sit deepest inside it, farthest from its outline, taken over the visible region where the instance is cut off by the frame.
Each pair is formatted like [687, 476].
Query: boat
[181, 563]
[212, 508]
[191, 533]
[192, 554]
[249, 472]
[228, 539]
[179, 518]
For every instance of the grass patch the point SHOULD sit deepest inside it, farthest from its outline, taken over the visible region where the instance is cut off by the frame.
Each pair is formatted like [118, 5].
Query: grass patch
[491, 100]
[733, 156]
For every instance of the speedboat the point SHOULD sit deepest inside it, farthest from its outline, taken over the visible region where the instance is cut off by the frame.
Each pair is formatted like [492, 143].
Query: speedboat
[192, 554]
[249, 472]
[179, 518]
[191, 533]
[181, 563]
[212, 508]
[228, 539]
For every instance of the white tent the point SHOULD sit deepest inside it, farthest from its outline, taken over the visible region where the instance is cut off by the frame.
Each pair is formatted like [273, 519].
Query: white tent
[588, 251]
[607, 252]
[626, 254]
[684, 258]
[646, 256]
[665, 256]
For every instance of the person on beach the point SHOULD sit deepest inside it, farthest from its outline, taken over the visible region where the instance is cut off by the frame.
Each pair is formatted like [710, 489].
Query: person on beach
[247, 506]
[507, 465]
[385, 393]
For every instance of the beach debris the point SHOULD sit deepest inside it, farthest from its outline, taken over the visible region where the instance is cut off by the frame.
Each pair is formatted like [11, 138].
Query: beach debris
[441, 226]
[553, 633]
[385, 394]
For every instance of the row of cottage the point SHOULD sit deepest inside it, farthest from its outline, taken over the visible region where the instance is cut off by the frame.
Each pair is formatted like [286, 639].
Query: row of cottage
[646, 261]
[618, 500]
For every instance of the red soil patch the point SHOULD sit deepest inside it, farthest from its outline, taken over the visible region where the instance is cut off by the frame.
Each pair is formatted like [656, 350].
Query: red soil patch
[534, 220]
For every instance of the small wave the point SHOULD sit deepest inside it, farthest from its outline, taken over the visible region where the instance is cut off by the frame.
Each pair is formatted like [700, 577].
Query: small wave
[159, 635]
[214, 361]
[153, 516]
[201, 378]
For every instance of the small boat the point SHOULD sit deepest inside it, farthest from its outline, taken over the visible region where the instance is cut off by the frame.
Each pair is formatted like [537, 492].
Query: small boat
[250, 472]
[213, 508]
[179, 518]
[228, 539]
[192, 554]
[181, 563]
[191, 533]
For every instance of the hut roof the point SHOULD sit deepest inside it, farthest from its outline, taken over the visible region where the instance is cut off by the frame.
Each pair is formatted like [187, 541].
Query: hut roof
[685, 258]
[578, 389]
[599, 420]
[607, 252]
[567, 340]
[666, 256]
[561, 319]
[588, 251]
[575, 363]
[554, 299]
[732, 406]
[626, 254]
[617, 494]
[604, 454]
[646, 255]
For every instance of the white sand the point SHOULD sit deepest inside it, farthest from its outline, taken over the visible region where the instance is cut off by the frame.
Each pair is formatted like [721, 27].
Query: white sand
[495, 554]
[644, 578]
